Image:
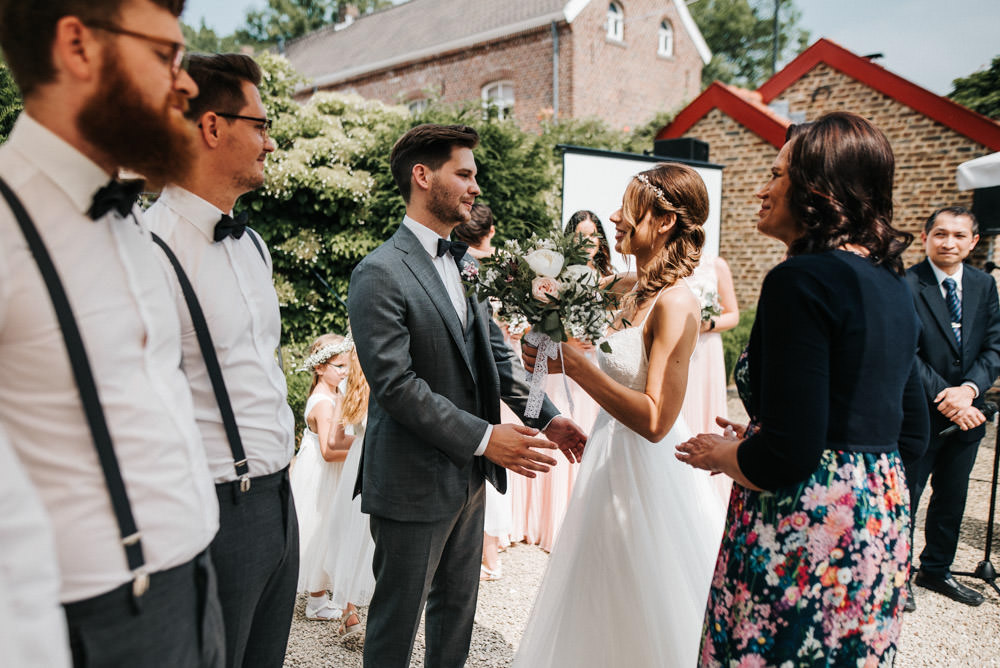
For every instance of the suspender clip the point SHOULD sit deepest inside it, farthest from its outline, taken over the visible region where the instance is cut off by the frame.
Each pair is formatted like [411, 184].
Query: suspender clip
[132, 539]
[140, 582]
[245, 483]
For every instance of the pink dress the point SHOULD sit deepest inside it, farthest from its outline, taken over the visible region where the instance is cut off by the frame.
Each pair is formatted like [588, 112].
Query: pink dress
[538, 504]
[705, 398]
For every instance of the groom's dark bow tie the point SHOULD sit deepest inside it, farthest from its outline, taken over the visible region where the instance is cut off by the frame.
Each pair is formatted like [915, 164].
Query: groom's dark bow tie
[229, 226]
[117, 195]
[456, 248]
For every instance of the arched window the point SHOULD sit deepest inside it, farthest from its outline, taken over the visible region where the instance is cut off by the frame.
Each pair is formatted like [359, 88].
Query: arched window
[665, 45]
[616, 22]
[418, 105]
[499, 95]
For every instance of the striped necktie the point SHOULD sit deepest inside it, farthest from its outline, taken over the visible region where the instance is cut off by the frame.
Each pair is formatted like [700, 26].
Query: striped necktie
[954, 307]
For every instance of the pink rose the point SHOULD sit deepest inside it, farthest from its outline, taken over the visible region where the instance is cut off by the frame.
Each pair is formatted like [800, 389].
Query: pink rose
[544, 288]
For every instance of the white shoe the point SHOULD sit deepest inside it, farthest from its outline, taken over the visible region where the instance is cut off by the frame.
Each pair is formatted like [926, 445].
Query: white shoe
[324, 612]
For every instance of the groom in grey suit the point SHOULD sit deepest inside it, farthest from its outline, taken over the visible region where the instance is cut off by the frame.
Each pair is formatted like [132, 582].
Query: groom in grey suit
[438, 368]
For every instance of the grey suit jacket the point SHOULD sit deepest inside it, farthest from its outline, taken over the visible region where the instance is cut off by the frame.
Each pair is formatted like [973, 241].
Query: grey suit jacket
[424, 419]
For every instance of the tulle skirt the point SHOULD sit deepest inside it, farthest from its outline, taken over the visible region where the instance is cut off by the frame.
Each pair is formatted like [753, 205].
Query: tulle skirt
[629, 575]
[349, 559]
[314, 482]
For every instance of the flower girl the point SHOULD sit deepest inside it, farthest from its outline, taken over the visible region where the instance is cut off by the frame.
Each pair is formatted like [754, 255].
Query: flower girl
[317, 470]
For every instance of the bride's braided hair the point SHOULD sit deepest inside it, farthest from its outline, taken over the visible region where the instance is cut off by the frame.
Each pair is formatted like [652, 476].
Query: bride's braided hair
[668, 188]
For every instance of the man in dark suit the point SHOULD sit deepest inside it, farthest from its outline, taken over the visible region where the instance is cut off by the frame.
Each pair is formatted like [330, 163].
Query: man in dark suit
[438, 368]
[958, 358]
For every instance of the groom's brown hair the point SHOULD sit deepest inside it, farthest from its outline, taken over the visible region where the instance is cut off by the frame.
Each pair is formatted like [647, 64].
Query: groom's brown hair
[428, 144]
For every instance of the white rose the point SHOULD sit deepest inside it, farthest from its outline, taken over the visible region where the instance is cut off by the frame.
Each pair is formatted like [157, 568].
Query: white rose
[581, 273]
[545, 262]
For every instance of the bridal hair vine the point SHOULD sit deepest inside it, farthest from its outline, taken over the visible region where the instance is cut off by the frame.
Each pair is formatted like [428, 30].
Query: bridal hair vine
[660, 195]
[327, 352]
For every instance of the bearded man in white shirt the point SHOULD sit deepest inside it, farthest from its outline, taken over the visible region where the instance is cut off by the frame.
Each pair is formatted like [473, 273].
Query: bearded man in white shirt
[256, 552]
[125, 482]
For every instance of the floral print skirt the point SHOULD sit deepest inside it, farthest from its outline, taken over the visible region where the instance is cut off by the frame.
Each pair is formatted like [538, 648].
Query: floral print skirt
[813, 575]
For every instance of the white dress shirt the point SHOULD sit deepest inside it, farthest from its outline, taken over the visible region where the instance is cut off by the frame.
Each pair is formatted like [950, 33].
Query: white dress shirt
[32, 623]
[235, 290]
[939, 276]
[447, 269]
[123, 307]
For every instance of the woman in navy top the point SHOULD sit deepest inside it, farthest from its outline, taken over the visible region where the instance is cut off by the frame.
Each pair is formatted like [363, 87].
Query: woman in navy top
[814, 561]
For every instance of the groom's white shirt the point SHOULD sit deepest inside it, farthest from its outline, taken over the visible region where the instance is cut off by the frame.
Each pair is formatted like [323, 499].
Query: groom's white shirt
[447, 269]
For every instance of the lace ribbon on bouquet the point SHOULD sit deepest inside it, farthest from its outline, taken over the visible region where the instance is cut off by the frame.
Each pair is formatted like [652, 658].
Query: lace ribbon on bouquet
[547, 348]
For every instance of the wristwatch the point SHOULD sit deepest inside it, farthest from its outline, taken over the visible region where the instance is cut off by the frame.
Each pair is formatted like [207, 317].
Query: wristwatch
[711, 324]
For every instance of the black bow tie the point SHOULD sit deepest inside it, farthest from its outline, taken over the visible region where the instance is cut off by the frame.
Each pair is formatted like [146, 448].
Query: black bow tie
[229, 226]
[456, 248]
[117, 195]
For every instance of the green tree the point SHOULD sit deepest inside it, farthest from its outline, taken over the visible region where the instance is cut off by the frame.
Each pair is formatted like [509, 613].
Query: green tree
[741, 36]
[10, 101]
[980, 91]
[205, 40]
[288, 19]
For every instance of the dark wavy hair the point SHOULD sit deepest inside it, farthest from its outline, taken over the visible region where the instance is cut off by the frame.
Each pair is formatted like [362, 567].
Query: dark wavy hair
[602, 258]
[841, 170]
[478, 226]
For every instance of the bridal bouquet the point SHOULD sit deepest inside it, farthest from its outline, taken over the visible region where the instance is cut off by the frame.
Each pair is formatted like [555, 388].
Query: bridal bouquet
[546, 283]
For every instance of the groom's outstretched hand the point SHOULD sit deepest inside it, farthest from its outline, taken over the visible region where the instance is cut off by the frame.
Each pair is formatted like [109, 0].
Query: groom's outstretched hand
[510, 446]
[568, 436]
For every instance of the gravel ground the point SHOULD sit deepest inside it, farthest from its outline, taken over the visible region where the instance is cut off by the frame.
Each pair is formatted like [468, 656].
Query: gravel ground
[940, 632]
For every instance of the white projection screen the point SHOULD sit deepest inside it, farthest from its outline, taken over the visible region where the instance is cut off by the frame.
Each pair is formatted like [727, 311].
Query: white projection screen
[595, 180]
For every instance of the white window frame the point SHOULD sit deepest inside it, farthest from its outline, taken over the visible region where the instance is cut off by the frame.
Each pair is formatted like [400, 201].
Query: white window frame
[417, 106]
[616, 22]
[500, 94]
[665, 43]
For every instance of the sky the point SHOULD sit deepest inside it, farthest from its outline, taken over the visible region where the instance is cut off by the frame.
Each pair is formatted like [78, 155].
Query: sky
[929, 42]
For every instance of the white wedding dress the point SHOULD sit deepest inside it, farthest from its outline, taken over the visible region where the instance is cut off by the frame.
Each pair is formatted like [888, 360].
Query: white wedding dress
[628, 578]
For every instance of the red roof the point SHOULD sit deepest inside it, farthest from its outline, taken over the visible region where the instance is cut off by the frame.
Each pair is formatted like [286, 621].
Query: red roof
[747, 112]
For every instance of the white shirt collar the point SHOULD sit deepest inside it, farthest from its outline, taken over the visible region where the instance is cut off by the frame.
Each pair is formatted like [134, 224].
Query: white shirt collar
[69, 169]
[939, 274]
[200, 213]
[427, 237]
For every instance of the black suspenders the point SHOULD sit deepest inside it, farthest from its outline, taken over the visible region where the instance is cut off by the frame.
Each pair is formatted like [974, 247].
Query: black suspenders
[212, 366]
[131, 537]
[212, 361]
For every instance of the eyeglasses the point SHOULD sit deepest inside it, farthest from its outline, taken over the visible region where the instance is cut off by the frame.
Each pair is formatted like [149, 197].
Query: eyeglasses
[264, 124]
[178, 58]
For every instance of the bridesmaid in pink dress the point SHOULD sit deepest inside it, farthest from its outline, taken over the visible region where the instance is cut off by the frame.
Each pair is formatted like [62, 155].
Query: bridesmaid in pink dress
[706, 390]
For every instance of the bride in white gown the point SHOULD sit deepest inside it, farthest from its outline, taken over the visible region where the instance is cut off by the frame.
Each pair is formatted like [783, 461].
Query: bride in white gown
[629, 575]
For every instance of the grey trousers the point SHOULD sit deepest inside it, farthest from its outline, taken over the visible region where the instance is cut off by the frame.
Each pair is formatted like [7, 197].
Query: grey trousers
[256, 557]
[177, 622]
[436, 563]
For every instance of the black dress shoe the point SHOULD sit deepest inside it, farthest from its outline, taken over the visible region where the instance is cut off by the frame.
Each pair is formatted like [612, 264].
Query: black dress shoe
[949, 587]
[911, 602]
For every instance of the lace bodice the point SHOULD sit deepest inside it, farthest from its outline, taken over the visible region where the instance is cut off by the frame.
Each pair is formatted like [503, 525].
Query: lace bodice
[626, 363]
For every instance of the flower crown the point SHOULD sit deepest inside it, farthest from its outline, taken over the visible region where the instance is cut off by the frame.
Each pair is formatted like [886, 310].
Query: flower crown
[327, 352]
[657, 190]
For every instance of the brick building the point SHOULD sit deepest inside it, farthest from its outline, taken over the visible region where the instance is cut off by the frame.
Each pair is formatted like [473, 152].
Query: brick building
[622, 61]
[930, 135]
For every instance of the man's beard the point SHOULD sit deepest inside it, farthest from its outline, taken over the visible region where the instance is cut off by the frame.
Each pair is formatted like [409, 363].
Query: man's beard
[446, 211]
[133, 133]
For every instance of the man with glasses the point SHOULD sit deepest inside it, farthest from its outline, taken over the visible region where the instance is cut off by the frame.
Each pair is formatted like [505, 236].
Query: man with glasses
[93, 399]
[256, 551]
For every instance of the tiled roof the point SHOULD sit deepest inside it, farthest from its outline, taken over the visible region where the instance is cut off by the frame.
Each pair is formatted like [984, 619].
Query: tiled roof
[412, 30]
[749, 107]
